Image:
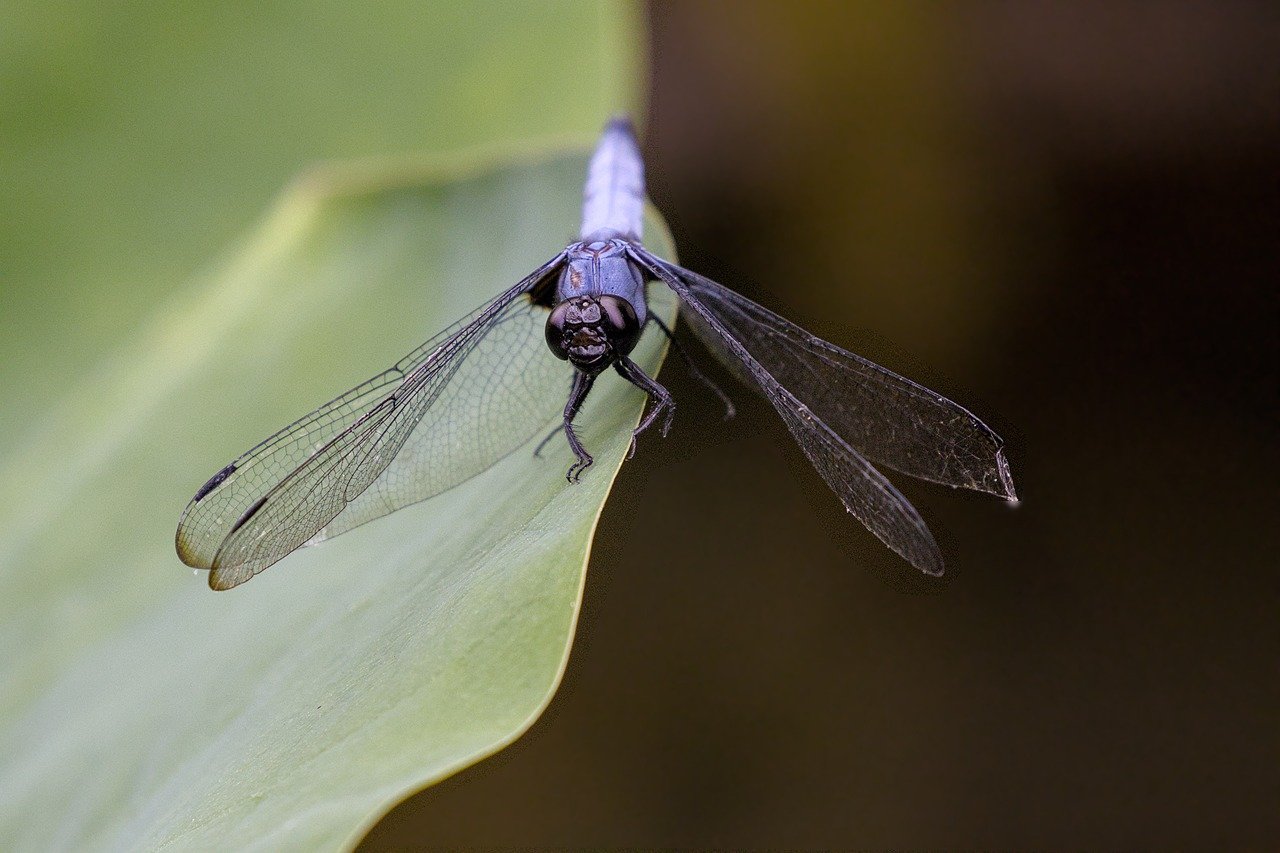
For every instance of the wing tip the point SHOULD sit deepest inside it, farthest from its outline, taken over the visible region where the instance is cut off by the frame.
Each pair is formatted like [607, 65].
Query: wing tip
[930, 562]
[186, 554]
[1007, 490]
[223, 578]
[924, 555]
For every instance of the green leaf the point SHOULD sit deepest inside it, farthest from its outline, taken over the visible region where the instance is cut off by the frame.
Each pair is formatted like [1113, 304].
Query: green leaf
[137, 139]
[297, 708]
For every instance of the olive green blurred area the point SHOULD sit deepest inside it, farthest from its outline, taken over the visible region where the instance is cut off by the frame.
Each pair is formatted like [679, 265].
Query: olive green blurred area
[1062, 215]
[137, 140]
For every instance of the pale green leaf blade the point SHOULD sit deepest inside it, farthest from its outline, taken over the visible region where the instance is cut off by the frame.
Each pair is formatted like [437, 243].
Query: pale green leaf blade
[292, 711]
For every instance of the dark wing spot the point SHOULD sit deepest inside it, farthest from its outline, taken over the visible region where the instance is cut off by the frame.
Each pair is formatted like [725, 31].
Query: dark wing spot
[214, 481]
[248, 514]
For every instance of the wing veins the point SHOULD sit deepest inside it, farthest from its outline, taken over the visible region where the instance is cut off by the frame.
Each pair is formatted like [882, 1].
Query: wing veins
[298, 487]
[863, 490]
[931, 437]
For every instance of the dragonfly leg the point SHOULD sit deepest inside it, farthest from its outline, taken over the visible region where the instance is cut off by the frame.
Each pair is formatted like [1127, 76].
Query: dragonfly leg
[660, 397]
[729, 410]
[582, 383]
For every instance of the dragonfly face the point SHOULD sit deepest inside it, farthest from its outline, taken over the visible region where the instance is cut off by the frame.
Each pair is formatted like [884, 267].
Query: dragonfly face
[600, 310]
[447, 411]
[592, 334]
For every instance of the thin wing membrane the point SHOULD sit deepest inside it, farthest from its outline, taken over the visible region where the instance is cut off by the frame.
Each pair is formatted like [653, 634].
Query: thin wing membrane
[834, 401]
[890, 419]
[441, 415]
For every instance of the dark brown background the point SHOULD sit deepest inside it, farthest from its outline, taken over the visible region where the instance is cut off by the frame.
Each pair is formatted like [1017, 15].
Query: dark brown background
[1064, 216]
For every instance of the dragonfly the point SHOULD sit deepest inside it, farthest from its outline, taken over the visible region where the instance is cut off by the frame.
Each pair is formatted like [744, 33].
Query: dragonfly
[487, 385]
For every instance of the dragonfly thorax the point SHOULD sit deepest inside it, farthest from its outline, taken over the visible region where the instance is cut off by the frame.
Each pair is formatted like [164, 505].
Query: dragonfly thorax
[592, 333]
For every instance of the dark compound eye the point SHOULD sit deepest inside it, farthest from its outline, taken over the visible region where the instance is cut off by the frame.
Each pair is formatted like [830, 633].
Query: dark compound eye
[619, 323]
[555, 330]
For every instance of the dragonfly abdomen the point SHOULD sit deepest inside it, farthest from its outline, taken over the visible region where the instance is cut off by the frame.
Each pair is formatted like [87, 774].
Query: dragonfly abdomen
[613, 198]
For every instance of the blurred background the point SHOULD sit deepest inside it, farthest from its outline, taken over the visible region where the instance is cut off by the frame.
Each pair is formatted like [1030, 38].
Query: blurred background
[1064, 216]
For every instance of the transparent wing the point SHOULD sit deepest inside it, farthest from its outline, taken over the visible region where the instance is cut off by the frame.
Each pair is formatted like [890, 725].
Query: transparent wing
[834, 401]
[890, 419]
[508, 388]
[444, 413]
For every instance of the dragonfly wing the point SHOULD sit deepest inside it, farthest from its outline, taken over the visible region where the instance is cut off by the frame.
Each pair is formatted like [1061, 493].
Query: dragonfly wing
[893, 421]
[453, 417]
[804, 384]
[508, 388]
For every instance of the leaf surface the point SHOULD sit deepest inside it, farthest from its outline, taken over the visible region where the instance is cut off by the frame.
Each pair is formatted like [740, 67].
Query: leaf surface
[142, 710]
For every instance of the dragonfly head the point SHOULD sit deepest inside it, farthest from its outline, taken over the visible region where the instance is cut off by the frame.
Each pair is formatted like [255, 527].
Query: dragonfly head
[592, 333]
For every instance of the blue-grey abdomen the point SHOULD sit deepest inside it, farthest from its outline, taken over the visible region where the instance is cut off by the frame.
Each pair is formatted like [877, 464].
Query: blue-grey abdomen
[613, 198]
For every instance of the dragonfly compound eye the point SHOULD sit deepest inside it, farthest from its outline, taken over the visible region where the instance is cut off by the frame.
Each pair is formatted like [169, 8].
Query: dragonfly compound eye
[555, 331]
[574, 331]
[620, 324]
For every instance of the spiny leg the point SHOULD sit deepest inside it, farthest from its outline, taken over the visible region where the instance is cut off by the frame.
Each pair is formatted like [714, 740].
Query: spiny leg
[729, 410]
[582, 383]
[660, 398]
